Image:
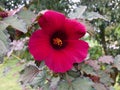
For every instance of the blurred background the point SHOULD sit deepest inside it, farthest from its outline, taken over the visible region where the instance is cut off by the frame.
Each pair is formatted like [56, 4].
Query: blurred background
[103, 37]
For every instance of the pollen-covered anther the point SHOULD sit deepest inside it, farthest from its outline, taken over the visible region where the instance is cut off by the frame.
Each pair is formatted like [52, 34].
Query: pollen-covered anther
[57, 41]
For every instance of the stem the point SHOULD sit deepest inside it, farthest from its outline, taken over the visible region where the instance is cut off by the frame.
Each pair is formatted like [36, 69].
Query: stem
[69, 81]
[16, 57]
[38, 3]
[67, 78]
[102, 36]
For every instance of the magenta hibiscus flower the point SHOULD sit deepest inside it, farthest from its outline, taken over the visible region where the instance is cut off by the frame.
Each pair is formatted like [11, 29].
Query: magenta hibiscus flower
[57, 42]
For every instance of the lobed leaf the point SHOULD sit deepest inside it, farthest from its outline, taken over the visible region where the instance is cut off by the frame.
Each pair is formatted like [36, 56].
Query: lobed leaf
[3, 25]
[63, 85]
[88, 69]
[94, 15]
[4, 37]
[78, 12]
[40, 80]
[15, 22]
[4, 44]
[82, 84]
[99, 86]
[3, 50]
[54, 82]
[45, 87]
[73, 74]
[93, 63]
[117, 62]
[28, 74]
[105, 78]
[27, 16]
[106, 59]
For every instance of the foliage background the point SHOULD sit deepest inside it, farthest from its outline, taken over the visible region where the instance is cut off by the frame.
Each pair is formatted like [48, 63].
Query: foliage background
[105, 39]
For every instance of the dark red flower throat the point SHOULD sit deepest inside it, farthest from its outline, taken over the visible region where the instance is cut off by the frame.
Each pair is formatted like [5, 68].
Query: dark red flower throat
[58, 40]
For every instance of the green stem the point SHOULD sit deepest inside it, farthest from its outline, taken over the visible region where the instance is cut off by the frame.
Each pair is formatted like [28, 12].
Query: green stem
[16, 57]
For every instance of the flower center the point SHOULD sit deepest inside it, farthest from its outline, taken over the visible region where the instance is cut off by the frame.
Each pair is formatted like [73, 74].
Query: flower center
[57, 41]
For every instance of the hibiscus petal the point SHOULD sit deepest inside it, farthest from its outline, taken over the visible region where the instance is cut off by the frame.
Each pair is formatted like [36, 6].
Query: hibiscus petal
[59, 61]
[62, 60]
[74, 29]
[52, 19]
[39, 45]
[78, 49]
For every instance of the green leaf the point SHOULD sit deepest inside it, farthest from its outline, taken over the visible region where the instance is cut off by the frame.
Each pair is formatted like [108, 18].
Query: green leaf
[87, 69]
[4, 44]
[3, 50]
[41, 79]
[117, 62]
[27, 16]
[28, 74]
[99, 86]
[63, 85]
[3, 25]
[4, 37]
[105, 78]
[54, 82]
[82, 84]
[94, 15]
[111, 88]
[45, 87]
[78, 12]
[15, 22]
[74, 74]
